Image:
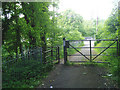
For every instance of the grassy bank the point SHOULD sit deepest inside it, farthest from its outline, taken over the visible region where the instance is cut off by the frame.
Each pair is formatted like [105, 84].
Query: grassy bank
[113, 65]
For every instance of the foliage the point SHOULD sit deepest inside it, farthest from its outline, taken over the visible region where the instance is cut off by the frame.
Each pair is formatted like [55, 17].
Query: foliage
[27, 25]
[24, 74]
[71, 25]
[89, 28]
[109, 30]
[32, 24]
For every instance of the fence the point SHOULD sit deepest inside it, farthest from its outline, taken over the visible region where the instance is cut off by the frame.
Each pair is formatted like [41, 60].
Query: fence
[89, 51]
[35, 53]
[28, 65]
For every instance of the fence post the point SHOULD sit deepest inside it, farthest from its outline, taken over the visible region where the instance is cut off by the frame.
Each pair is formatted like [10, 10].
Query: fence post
[51, 53]
[65, 51]
[90, 52]
[41, 54]
[58, 55]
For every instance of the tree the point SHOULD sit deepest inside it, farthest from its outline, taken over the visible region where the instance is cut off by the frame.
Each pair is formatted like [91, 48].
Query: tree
[69, 22]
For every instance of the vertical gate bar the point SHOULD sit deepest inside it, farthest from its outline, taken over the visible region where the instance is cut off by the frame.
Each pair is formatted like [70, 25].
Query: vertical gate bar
[64, 46]
[90, 52]
[58, 55]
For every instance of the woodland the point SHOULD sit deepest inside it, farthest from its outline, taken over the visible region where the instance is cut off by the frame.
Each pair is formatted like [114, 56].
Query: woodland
[29, 25]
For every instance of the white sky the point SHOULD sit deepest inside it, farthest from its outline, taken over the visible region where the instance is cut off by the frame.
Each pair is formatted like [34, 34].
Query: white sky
[88, 8]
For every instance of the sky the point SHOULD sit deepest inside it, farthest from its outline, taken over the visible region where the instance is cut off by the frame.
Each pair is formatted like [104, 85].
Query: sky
[88, 8]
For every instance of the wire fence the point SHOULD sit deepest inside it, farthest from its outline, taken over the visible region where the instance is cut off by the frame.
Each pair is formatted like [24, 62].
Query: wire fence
[28, 65]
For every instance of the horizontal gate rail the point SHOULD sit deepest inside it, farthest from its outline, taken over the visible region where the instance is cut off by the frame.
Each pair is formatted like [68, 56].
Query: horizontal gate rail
[95, 40]
[92, 55]
[92, 47]
[78, 61]
[101, 62]
[87, 61]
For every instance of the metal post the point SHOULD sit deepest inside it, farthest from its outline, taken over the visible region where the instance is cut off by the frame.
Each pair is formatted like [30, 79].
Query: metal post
[65, 51]
[90, 52]
[41, 54]
[58, 55]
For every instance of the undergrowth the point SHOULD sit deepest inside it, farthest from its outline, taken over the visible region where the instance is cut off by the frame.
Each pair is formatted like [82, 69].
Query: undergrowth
[25, 74]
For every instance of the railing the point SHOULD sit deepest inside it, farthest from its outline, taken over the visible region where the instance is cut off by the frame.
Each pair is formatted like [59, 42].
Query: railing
[34, 53]
[53, 53]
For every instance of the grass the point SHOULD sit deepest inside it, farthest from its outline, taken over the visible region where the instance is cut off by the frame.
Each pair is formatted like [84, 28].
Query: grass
[113, 66]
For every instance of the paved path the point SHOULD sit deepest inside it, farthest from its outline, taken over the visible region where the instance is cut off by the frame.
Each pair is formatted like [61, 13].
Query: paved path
[79, 76]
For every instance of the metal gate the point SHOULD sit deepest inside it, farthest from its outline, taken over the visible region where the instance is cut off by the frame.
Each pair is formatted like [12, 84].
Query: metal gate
[67, 45]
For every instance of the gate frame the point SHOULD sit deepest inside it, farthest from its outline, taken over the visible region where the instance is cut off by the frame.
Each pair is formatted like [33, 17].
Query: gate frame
[66, 45]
